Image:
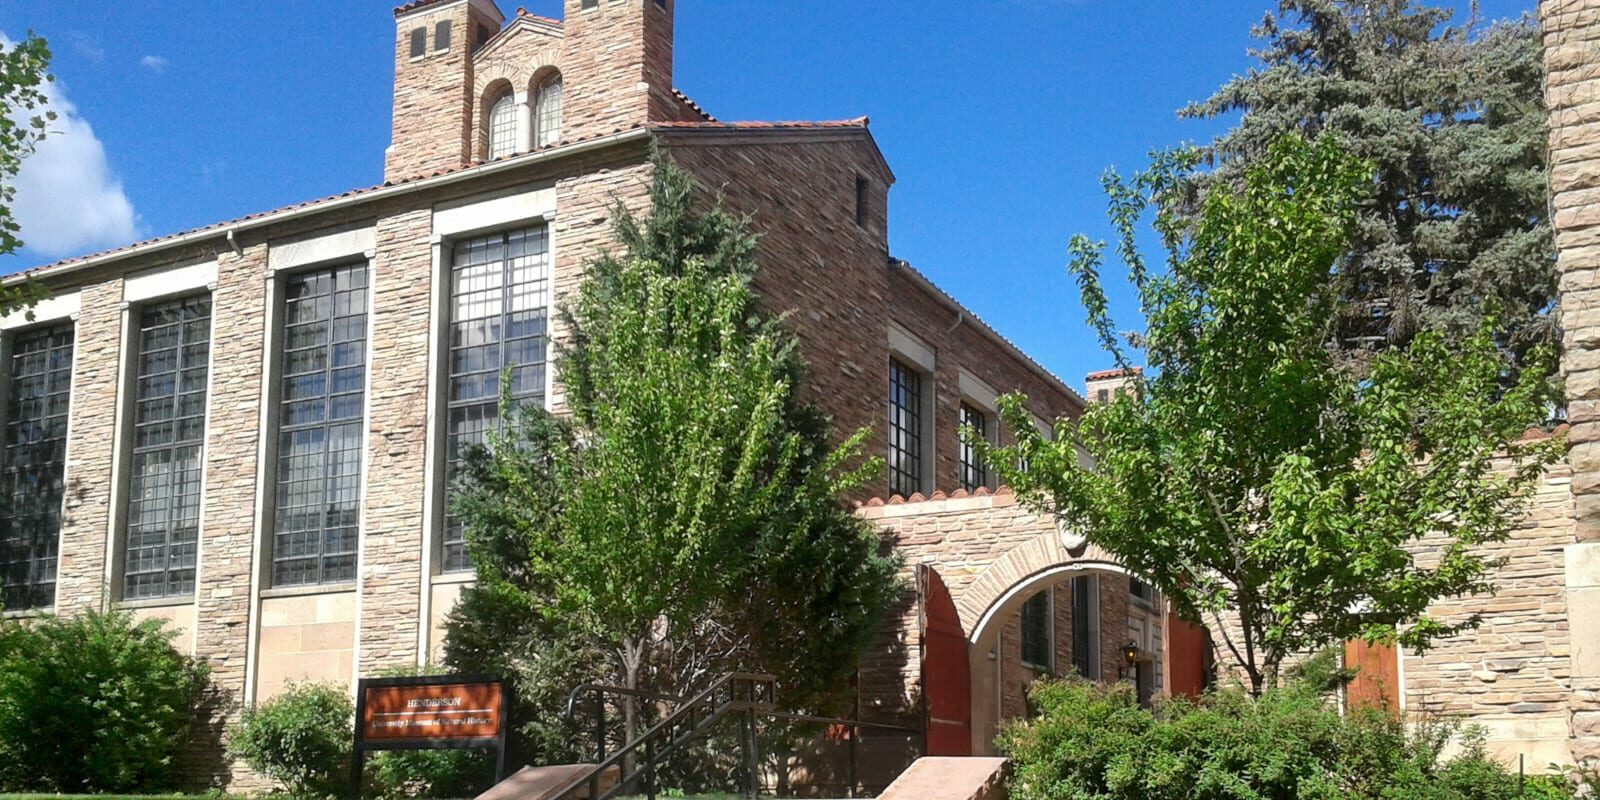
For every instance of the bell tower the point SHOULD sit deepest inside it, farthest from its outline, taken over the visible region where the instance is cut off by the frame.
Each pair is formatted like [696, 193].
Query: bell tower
[618, 63]
[434, 43]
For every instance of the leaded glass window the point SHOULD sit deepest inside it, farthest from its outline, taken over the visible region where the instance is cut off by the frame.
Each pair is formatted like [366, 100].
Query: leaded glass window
[905, 429]
[1086, 626]
[1037, 627]
[503, 127]
[323, 390]
[169, 422]
[974, 472]
[35, 465]
[547, 114]
[499, 310]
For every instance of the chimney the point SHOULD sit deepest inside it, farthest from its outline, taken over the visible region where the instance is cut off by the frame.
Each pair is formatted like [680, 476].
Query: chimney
[434, 42]
[1100, 388]
[618, 65]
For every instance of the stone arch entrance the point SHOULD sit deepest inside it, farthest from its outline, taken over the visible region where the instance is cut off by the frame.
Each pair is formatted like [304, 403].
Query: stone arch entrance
[993, 556]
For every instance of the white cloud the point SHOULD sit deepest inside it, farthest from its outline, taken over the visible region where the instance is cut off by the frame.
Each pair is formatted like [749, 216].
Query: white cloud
[68, 199]
[155, 64]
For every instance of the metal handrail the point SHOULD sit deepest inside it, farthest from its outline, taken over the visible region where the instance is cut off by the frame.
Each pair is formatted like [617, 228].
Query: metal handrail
[569, 717]
[854, 726]
[758, 697]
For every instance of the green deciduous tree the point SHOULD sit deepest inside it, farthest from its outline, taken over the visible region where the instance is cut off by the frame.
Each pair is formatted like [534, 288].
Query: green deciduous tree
[1252, 474]
[686, 519]
[24, 70]
[1452, 121]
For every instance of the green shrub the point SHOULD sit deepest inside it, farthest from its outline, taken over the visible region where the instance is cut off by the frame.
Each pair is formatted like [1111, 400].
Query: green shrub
[93, 703]
[301, 739]
[1088, 741]
[430, 773]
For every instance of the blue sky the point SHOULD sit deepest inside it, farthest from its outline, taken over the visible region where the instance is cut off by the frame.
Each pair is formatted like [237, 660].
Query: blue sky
[998, 117]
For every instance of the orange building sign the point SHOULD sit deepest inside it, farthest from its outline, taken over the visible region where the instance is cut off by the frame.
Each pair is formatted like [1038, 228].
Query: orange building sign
[431, 711]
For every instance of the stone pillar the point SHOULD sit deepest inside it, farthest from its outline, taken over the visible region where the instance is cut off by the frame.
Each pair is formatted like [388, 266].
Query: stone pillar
[230, 517]
[392, 540]
[1572, 66]
[91, 432]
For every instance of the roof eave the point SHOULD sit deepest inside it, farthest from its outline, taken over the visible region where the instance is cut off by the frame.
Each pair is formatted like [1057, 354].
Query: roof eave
[988, 332]
[221, 229]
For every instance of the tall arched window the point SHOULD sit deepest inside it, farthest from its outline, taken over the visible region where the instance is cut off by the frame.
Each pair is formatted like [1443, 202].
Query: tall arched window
[503, 127]
[547, 114]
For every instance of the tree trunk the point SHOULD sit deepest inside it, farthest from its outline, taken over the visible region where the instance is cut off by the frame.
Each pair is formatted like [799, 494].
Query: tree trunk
[632, 656]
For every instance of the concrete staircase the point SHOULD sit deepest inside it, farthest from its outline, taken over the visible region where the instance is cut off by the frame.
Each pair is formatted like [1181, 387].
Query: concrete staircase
[549, 783]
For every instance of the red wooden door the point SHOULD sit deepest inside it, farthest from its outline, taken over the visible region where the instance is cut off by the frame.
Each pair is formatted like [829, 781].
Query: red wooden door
[1377, 681]
[946, 669]
[1186, 651]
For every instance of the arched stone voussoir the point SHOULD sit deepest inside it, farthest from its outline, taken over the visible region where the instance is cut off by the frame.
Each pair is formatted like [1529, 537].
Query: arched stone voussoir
[1022, 570]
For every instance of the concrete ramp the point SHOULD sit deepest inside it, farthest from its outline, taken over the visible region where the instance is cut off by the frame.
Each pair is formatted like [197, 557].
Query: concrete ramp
[951, 778]
[548, 783]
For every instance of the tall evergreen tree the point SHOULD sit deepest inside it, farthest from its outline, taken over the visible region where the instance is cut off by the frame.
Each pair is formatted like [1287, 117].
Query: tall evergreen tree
[1452, 119]
[687, 518]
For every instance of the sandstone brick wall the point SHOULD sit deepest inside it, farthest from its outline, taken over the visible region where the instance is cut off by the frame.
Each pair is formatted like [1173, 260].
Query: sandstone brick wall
[91, 432]
[393, 540]
[816, 264]
[228, 525]
[618, 64]
[1572, 94]
[960, 345]
[433, 99]
[1512, 674]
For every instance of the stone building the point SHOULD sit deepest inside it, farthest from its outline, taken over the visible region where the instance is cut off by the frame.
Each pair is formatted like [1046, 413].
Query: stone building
[245, 429]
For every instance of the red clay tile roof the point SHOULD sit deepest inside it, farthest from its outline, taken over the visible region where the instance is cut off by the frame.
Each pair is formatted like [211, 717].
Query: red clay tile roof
[523, 12]
[219, 226]
[415, 5]
[858, 122]
[693, 106]
[937, 496]
[1104, 374]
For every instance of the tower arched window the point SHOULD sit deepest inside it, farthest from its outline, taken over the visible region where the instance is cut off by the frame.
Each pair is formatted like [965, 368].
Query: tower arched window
[503, 127]
[547, 113]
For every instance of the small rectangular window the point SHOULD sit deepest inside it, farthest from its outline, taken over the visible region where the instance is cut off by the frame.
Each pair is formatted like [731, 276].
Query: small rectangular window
[1141, 591]
[974, 472]
[590, 4]
[441, 36]
[317, 515]
[35, 466]
[1086, 626]
[863, 201]
[905, 429]
[1102, 396]
[163, 526]
[1037, 627]
[419, 42]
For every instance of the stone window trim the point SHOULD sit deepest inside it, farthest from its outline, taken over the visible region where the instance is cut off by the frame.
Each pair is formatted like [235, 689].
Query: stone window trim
[546, 107]
[978, 396]
[499, 295]
[452, 224]
[1086, 633]
[48, 320]
[1037, 618]
[910, 353]
[324, 253]
[502, 118]
[127, 448]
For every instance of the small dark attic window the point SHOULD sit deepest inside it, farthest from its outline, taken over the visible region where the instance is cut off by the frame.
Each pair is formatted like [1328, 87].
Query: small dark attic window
[441, 36]
[863, 200]
[419, 43]
[591, 3]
